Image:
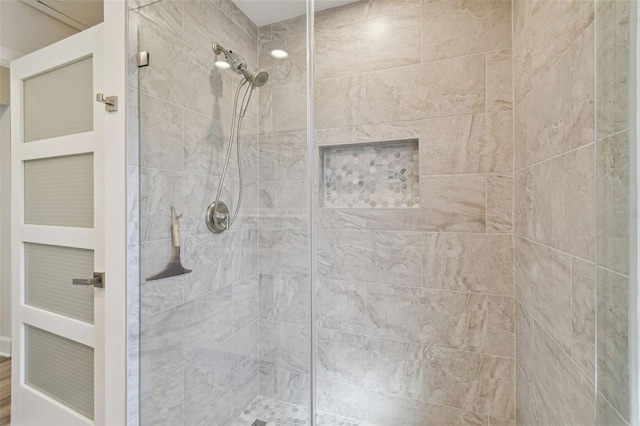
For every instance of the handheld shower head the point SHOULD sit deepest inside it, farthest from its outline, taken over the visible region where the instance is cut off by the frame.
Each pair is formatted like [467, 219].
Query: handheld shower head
[257, 78]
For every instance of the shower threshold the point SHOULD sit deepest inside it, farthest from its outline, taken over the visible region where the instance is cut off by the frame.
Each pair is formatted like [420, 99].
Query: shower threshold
[276, 413]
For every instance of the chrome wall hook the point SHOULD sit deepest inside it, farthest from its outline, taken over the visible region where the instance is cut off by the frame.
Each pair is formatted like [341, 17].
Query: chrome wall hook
[110, 102]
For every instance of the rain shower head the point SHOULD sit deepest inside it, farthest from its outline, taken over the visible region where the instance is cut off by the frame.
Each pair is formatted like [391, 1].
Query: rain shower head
[257, 78]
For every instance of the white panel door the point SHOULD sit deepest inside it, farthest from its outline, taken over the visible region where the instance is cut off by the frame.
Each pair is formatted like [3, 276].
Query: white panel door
[58, 233]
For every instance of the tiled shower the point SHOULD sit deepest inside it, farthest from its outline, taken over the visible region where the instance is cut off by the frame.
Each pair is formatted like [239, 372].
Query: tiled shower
[461, 231]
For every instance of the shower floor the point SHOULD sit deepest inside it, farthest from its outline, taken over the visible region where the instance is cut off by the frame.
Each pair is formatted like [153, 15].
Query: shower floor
[277, 413]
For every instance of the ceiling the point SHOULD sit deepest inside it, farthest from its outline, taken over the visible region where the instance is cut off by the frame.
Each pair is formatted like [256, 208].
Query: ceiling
[263, 12]
[82, 14]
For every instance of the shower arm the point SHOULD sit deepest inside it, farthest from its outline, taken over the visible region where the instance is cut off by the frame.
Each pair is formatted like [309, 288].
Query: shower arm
[217, 49]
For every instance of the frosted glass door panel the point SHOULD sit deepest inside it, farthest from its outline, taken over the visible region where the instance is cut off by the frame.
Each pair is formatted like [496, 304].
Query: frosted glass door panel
[58, 191]
[59, 102]
[60, 368]
[48, 275]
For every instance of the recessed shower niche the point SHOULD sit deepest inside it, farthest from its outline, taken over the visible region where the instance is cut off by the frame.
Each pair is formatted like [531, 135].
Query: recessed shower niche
[371, 175]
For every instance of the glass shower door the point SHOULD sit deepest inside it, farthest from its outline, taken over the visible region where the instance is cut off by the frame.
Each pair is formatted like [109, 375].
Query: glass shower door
[228, 342]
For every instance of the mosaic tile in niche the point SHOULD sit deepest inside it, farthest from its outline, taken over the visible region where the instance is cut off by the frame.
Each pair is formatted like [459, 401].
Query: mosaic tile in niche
[377, 175]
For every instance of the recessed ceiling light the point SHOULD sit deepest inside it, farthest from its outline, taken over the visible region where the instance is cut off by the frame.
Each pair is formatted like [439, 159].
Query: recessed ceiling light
[222, 65]
[279, 54]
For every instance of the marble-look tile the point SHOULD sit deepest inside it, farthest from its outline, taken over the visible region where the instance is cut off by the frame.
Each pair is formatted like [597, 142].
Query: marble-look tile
[133, 205]
[451, 319]
[284, 298]
[564, 191]
[501, 326]
[340, 219]
[284, 346]
[392, 258]
[369, 133]
[245, 392]
[544, 30]
[612, 58]
[390, 7]
[204, 24]
[433, 89]
[245, 298]
[265, 113]
[496, 421]
[612, 202]
[339, 102]
[565, 392]
[291, 70]
[499, 81]
[133, 124]
[160, 134]
[583, 314]
[395, 367]
[290, 108]
[173, 338]
[365, 45]
[480, 143]
[341, 399]
[468, 262]
[529, 411]
[342, 357]
[238, 260]
[289, 27]
[239, 18]
[455, 28]
[219, 414]
[282, 385]
[339, 16]
[341, 305]
[283, 156]
[133, 369]
[214, 375]
[391, 410]
[264, 34]
[454, 203]
[582, 70]
[398, 219]
[612, 296]
[166, 14]
[542, 129]
[524, 342]
[543, 286]
[523, 203]
[284, 251]
[470, 381]
[500, 203]
[607, 415]
[164, 403]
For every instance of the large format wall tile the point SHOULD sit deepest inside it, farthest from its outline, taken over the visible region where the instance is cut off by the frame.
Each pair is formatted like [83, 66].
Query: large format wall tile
[173, 338]
[283, 156]
[365, 45]
[543, 32]
[500, 203]
[543, 286]
[468, 262]
[454, 203]
[160, 134]
[499, 81]
[613, 339]
[480, 143]
[432, 89]
[284, 346]
[456, 28]
[284, 251]
[529, 410]
[378, 257]
[470, 381]
[583, 312]
[339, 102]
[291, 70]
[341, 399]
[284, 298]
[341, 305]
[565, 392]
[524, 324]
[164, 404]
[445, 318]
[391, 410]
[284, 385]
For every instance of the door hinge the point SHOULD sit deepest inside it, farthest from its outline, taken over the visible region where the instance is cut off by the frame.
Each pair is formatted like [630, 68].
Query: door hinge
[142, 59]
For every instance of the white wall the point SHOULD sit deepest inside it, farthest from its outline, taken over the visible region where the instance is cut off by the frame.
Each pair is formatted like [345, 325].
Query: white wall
[23, 30]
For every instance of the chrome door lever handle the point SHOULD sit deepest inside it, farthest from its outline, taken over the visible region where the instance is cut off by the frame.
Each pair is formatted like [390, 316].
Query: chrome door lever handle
[97, 280]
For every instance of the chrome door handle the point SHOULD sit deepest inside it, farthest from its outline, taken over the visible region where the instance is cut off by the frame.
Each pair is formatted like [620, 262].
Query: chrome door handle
[97, 280]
